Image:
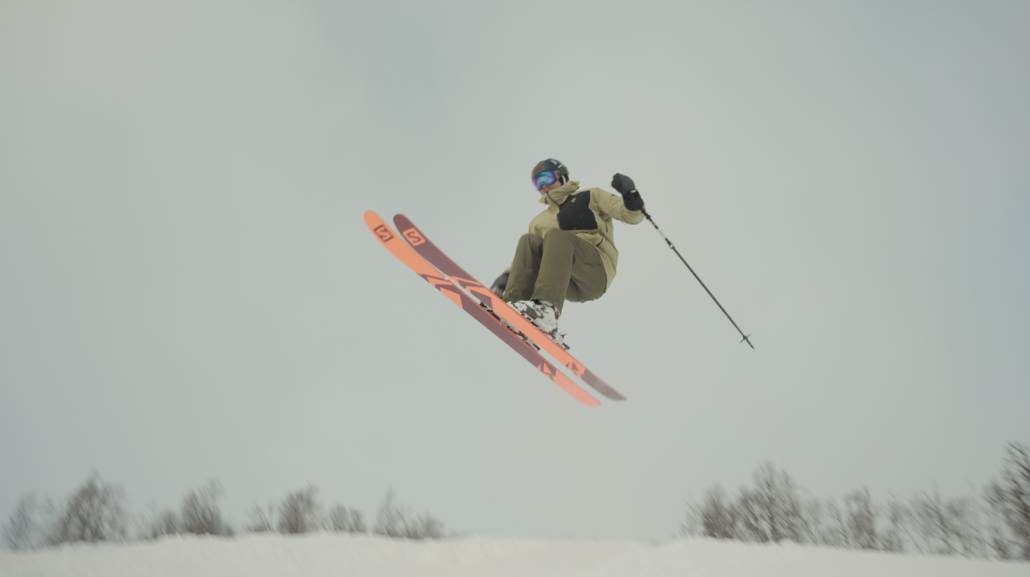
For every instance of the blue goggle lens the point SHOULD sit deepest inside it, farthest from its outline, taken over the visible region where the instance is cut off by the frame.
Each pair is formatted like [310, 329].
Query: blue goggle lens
[545, 178]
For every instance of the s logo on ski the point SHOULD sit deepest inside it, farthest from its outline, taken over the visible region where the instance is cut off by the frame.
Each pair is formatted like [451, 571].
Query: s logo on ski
[413, 237]
[383, 233]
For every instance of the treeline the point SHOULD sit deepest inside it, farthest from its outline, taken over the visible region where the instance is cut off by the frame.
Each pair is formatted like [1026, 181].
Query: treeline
[97, 512]
[991, 523]
[994, 523]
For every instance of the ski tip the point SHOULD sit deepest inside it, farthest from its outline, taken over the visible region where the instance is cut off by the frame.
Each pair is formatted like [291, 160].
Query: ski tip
[402, 221]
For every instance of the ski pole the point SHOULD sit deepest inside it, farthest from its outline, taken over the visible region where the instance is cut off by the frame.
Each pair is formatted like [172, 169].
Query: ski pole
[669, 242]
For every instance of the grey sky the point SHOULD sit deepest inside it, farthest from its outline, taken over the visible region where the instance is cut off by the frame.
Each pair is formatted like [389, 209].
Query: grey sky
[187, 289]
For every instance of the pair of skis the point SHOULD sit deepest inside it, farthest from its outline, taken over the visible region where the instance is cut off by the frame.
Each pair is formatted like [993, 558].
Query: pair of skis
[430, 263]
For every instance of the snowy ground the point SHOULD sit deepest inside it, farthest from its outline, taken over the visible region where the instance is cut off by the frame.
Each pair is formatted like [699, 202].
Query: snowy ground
[316, 555]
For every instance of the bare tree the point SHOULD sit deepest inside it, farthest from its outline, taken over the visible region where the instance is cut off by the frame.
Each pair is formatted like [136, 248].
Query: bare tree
[392, 517]
[93, 513]
[1007, 525]
[21, 531]
[927, 515]
[166, 523]
[299, 511]
[715, 517]
[156, 523]
[968, 512]
[945, 526]
[997, 534]
[425, 526]
[894, 536]
[824, 522]
[260, 521]
[860, 520]
[200, 513]
[772, 510]
[1010, 498]
[344, 520]
[397, 521]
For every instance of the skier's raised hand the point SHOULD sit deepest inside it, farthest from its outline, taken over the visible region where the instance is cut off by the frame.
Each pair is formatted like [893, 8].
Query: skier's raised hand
[623, 183]
[630, 196]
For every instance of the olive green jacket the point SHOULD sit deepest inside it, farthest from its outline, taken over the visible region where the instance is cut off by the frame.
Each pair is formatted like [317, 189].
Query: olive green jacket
[588, 214]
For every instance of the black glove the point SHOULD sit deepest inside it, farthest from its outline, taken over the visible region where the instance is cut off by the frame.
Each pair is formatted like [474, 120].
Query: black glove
[630, 197]
[499, 285]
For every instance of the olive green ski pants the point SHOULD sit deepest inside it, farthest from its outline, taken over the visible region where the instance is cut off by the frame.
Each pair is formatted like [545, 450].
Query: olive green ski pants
[557, 268]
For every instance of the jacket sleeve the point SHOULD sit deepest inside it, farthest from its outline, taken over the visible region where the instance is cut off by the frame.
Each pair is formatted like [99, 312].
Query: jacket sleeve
[612, 205]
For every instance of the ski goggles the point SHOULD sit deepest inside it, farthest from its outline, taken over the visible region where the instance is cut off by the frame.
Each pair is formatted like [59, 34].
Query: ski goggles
[545, 178]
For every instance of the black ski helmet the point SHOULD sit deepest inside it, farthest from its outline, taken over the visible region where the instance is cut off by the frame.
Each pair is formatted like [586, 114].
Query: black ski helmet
[559, 169]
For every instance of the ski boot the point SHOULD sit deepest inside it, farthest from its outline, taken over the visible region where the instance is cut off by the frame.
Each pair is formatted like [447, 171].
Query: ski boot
[544, 316]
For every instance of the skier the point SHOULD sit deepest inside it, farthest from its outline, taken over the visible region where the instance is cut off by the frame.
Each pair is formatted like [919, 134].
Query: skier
[569, 252]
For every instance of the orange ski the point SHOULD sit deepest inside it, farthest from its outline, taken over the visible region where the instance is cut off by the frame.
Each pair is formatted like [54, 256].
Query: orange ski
[437, 258]
[402, 251]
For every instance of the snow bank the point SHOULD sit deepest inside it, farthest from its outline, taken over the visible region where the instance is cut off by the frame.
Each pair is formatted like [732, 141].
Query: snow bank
[331, 554]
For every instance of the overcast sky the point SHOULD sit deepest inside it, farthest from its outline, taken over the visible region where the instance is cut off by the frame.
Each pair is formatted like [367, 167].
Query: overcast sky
[188, 290]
